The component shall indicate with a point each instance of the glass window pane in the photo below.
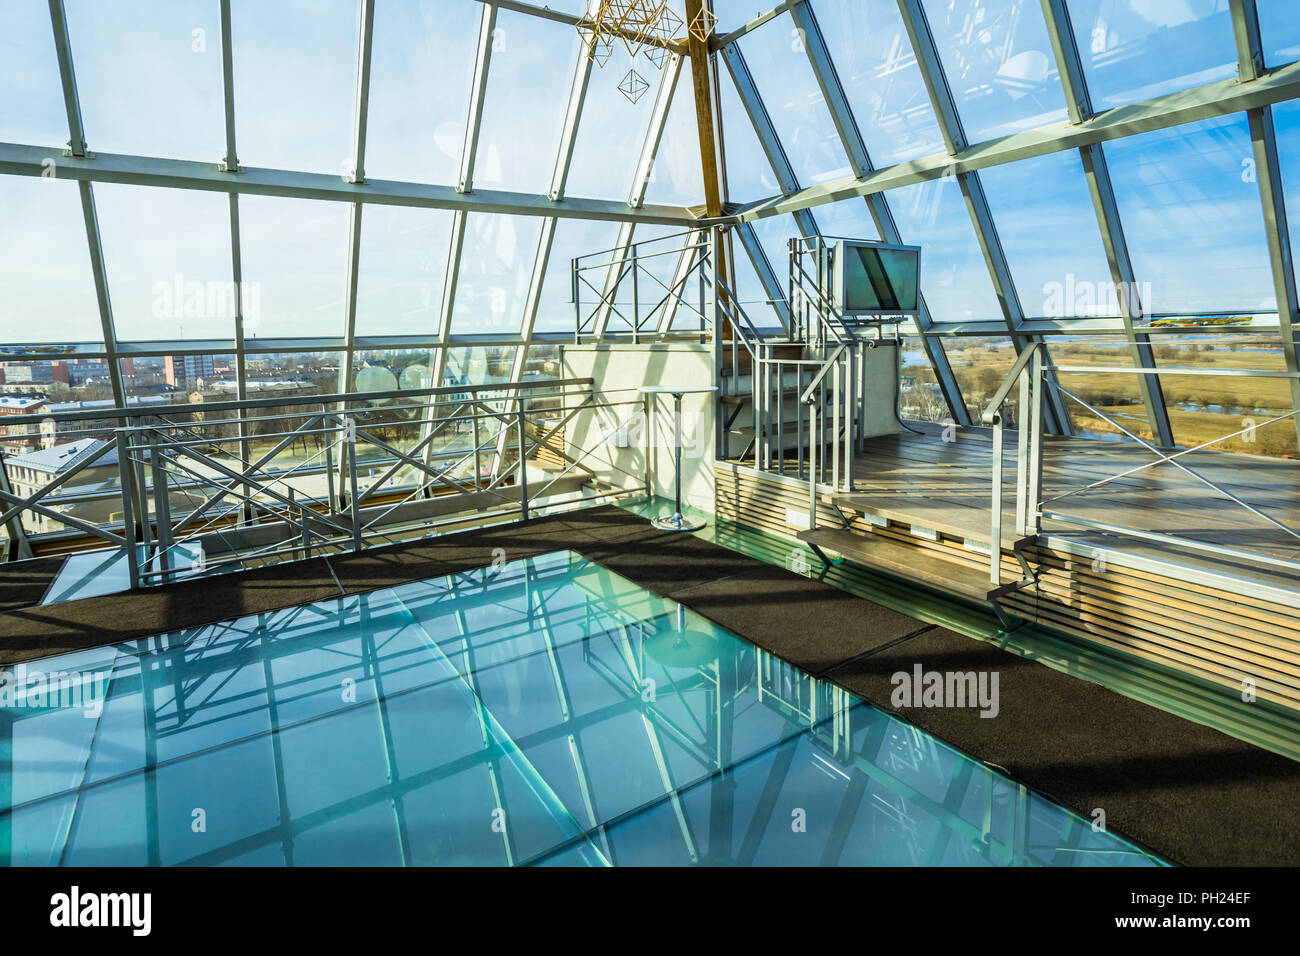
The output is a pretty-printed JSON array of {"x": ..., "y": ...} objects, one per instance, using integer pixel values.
[
  {"x": 979, "y": 365},
  {"x": 31, "y": 96},
  {"x": 478, "y": 365},
  {"x": 847, "y": 219},
  {"x": 48, "y": 288},
  {"x": 785, "y": 81},
  {"x": 676, "y": 179},
  {"x": 296, "y": 373},
  {"x": 877, "y": 68},
  {"x": 573, "y": 237},
  {"x": 382, "y": 370},
  {"x": 1192, "y": 217},
  {"x": 173, "y": 379},
  {"x": 523, "y": 109},
  {"x": 295, "y": 66},
  {"x": 1118, "y": 395},
  {"x": 423, "y": 54},
  {"x": 167, "y": 258},
  {"x": 774, "y": 234},
  {"x": 749, "y": 174},
  {"x": 496, "y": 264},
  {"x": 1134, "y": 49},
  {"x": 401, "y": 268},
  {"x": 919, "y": 397},
  {"x": 149, "y": 76},
  {"x": 999, "y": 64},
  {"x": 954, "y": 277},
  {"x": 1279, "y": 29},
  {"x": 613, "y": 129},
  {"x": 295, "y": 265},
  {"x": 1205, "y": 407},
  {"x": 1050, "y": 236},
  {"x": 1286, "y": 124}
]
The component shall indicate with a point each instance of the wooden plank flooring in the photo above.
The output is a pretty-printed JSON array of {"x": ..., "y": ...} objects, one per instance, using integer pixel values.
[{"x": 955, "y": 476}]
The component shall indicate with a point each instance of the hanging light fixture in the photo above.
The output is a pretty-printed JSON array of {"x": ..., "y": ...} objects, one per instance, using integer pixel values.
[{"x": 644, "y": 27}]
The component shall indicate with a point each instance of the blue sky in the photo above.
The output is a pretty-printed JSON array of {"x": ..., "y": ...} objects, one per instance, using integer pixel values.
[{"x": 149, "y": 75}]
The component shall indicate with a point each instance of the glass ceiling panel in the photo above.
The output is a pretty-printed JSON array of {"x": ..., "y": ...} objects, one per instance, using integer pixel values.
[
  {"x": 1192, "y": 217},
  {"x": 1135, "y": 49},
  {"x": 877, "y": 68},
  {"x": 401, "y": 268},
  {"x": 523, "y": 110},
  {"x": 573, "y": 237},
  {"x": 954, "y": 277},
  {"x": 496, "y": 264},
  {"x": 295, "y": 66},
  {"x": 149, "y": 76},
  {"x": 31, "y": 96},
  {"x": 48, "y": 288},
  {"x": 749, "y": 289},
  {"x": 774, "y": 235},
  {"x": 749, "y": 174},
  {"x": 167, "y": 258},
  {"x": 999, "y": 64},
  {"x": 676, "y": 178},
  {"x": 1286, "y": 123},
  {"x": 847, "y": 219},
  {"x": 1051, "y": 237},
  {"x": 611, "y": 131},
  {"x": 295, "y": 262},
  {"x": 785, "y": 80},
  {"x": 1279, "y": 28},
  {"x": 423, "y": 53}
]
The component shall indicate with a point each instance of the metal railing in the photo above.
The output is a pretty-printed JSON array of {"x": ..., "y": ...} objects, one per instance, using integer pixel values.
[
  {"x": 1033, "y": 376},
  {"x": 194, "y": 488}
]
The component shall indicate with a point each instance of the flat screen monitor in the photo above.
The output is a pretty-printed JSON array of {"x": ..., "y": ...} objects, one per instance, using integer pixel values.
[{"x": 875, "y": 278}]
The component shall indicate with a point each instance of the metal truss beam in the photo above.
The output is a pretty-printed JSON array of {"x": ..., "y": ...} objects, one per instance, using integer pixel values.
[
  {"x": 26, "y": 160},
  {"x": 77, "y": 152},
  {"x": 765, "y": 130},
  {"x": 1162, "y": 112},
  {"x": 1268, "y": 173},
  {"x": 850, "y": 134},
  {"x": 357, "y": 174},
  {"x": 1078, "y": 103},
  {"x": 230, "y": 162},
  {"x": 972, "y": 190},
  {"x": 478, "y": 90}
]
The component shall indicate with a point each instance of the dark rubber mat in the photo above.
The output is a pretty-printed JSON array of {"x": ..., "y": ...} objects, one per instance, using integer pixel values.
[{"x": 24, "y": 583}]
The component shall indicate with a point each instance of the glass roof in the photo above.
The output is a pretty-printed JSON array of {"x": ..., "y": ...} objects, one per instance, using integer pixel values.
[{"x": 314, "y": 86}]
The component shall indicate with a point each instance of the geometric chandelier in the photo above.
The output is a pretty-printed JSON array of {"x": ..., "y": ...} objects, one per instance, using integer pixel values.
[{"x": 643, "y": 27}]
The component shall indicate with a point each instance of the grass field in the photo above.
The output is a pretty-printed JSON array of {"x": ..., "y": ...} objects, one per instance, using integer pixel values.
[{"x": 1201, "y": 408}]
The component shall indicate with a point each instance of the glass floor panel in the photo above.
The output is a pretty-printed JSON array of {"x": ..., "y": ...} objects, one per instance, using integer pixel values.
[
  {"x": 542, "y": 711},
  {"x": 93, "y": 573}
]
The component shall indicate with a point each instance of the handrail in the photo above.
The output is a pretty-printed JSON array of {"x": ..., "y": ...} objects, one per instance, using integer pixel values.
[
  {"x": 990, "y": 415},
  {"x": 153, "y": 411},
  {"x": 834, "y": 357}
]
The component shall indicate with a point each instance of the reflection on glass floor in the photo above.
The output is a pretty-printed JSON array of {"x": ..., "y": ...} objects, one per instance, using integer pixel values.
[
  {"x": 541, "y": 711},
  {"x": 92, "y": 573}
]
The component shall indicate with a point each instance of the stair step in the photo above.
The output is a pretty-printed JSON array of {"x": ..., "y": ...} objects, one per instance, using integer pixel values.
[
  {"x": 904, "y": 561},
  {"x": 928, "y": 514}
]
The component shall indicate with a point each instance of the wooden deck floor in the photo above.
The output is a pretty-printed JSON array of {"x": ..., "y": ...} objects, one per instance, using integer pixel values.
[{"x": 956, "y": 475}]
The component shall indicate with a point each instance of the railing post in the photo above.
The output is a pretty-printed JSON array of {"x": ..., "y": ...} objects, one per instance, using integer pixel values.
[
  {"x": 354, "y": 511},
  {"x": 636, "y": 302},
  {"x": 161, "y": 508},
  {"x": 127, "y": 485},
  {"x": 1022, "y": 449},
  {"x": 1033, "y": 513},
  {"x": 812, "y": 468},
  {"x": 995, "y": 511},
  {"x": 523, "y": 463}
]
